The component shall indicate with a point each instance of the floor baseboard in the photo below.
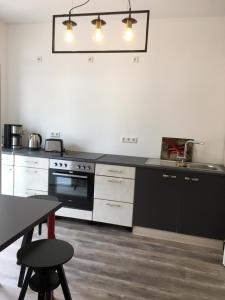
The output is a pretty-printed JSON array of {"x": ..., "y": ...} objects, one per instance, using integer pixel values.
[{"x": 177, "y": 237}]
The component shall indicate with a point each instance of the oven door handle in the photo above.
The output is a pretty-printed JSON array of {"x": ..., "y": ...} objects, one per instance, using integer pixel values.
[{"x": 69, "y": 175}]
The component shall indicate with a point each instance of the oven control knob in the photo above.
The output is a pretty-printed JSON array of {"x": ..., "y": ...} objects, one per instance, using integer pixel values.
[
  {"x": 56, "y": 164},
  {"x": 88, "y": 168},
  {"x": 60, "y": 164},
  {"x": 82, "y": 167},
  {"x": 78, "y": 167},
  {"x": 65, "y": 165}
]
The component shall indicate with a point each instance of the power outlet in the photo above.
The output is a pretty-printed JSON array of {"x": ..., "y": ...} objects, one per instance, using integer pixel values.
[
  {"x": 129, "y": 140},
  {"x": 136, "y": 59},
  {"x": 55, "y": 134},
  {"x": 91, "y": 59},
  {"x": 39, "y": 59}
]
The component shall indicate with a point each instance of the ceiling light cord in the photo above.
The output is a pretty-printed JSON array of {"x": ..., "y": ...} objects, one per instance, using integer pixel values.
[
  {"x": 86, "y": 2},
  {"x": 129, "y": 7},
  {"x": 129, "y": 4}
]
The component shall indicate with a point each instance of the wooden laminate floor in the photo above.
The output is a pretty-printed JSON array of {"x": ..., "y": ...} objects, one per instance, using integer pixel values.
[{"x": 112, "y": 263}]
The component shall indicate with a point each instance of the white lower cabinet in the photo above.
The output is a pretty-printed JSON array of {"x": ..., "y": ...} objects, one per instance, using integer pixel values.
[
  {"x": 117, "y": 213},
  {"x": 29, "y": 193},
  {"x": 114, "y": 188},
  {"x": 7, "y": 177},
  {"x": 114, "y": 194},
  {"x": 30, "y": 181}
]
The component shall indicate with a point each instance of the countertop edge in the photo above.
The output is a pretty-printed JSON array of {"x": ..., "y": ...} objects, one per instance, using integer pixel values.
[{"x": 111, "y": 159}]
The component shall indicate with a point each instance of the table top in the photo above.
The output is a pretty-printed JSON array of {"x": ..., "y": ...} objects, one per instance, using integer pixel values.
[{"x": 18, "y": 215}]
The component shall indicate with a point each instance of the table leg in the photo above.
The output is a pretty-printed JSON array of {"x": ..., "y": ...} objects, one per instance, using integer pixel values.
[
  {"x": 51, "y": 234},
  {"x": 51, "y": 226}
]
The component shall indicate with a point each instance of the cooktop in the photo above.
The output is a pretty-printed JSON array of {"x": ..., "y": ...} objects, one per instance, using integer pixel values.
[{"x": 81, "y": 155}]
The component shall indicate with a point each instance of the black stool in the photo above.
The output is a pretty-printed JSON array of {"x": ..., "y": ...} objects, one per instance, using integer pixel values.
[
  {"x": 46, "y": 259},
  {"x": 28, "y": 236}
]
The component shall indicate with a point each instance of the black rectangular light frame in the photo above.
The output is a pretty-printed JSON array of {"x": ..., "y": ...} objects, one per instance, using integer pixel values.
[{"x": 147, "y": 12}]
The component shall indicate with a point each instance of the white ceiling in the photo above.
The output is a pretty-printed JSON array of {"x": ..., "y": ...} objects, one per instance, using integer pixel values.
[{"x": 33, "y": 11}]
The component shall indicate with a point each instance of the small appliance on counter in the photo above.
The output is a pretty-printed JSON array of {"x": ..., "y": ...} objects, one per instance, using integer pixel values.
[
  {"x": 54, "y": 145},
  {"x": 13, "y": 136},
  {"x": 34, "y": 141}
]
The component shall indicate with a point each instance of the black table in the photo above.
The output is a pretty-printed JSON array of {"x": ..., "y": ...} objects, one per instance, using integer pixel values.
[{"x": 19, "y": 215}]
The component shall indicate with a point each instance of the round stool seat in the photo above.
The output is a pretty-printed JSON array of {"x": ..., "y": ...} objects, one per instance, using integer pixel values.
[
  {"x": 45, "y": 254},
  {"x": 45, "y": 197}
]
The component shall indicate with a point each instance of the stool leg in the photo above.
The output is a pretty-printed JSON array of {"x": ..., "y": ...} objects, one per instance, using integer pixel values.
[
  {"x": 39, "y": 229},
  {"x": 21, "y": 276},
  {"x": 25, "y": 284},
  {"x": 26, "y": 239},
  {"x": 48, "y": 296},
  {"x": 64, "y": 284},
  {"x": 41, "y": 296}
]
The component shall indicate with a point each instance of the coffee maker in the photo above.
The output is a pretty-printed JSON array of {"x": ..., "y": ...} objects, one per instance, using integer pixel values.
[{"x": 13, "y": 136}]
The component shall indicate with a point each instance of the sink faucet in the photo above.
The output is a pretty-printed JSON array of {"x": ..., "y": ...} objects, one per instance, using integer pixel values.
[{"x": 184, "y": 157}]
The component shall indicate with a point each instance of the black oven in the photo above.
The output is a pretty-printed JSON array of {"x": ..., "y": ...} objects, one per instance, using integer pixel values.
[{"x": 72, "y": 183}]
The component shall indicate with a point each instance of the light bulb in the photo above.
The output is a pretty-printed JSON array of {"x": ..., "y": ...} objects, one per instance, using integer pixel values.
[
  {"x": 128, "y": 35},
  {"x": 69, "y": 35},
  {"x": 98, "y": 35}
]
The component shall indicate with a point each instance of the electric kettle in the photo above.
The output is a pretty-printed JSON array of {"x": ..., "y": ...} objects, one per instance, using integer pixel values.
[{"x": 34, "y": 141}]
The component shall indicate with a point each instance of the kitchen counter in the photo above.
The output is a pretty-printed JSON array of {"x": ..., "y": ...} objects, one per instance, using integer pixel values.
[
  {"x": 122, "y": 160},
  {"x": 67, "y": 155},
  {"x": 169, "y": 165}
]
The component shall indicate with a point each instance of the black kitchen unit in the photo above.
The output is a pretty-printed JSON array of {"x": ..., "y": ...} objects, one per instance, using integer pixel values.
[{"x": 180, "y": 201}]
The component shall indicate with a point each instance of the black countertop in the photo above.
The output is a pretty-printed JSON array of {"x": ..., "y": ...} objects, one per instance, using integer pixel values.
[
  {"x": 67, "y": 155},
  {"x": 18, "y": 215},
  {"x": 122, "y": 160}
]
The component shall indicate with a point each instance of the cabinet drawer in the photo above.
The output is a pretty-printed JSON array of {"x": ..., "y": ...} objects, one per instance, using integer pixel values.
[
  {"x": 8, "y": 159},
  {"x": 117, "y": 213},
  {"x": 7, "y": 180},
  {"x": 115, "y": 171},
  {"x": 30, "y": 179},
  {"x": 29, "y": 193},
  {"x": 32, "y": 162},
  {"x": 116, "y": 189}
]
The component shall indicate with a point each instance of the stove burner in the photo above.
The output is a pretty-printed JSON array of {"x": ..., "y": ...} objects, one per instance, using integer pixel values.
[{"x": 79, "y": 166}]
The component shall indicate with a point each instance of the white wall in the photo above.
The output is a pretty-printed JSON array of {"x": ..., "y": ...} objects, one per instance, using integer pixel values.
[
  {"x": 3, "y": 70},
  {"x": 176, "y": 90}
]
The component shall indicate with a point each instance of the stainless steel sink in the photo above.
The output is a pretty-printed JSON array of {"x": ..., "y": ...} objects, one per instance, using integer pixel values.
[
  {"x": 206, "y": 167},
  {"x": 191, "y": 166}
]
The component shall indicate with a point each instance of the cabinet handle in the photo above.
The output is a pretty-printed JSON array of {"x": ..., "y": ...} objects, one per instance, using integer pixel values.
[
  {"x": 114, "y": 181},
  {"x": 31, "y": 162},
  {"x": 195, "y": 179},
  {"x": 113, "y": 205},
  {"x": 31, "y": 171},
  {"x": 169, "y": 176},
  {"x": 115, "y": 171},
  {"x": 165, "y": 176},
  {"x": 187, "y": 178}
]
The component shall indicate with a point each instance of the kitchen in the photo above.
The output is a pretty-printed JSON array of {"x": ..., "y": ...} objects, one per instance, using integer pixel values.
[{"x": 175, "y": 89}]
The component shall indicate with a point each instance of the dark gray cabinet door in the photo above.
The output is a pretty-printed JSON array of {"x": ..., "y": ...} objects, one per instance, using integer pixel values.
[
  {"x": 202, "y": 205},
  {"x": 156, "y": 199}
]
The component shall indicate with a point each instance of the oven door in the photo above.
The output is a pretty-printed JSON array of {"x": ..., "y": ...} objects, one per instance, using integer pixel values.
[{"x": 74, "y": 189}]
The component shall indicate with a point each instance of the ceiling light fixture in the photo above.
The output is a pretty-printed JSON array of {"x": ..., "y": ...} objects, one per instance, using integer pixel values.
[
  {"x": 129, "y": 21},
  {"x": 98, "y": 37},
  {"x": 69, "y": 35},
  {"x": 86, "y": 46}
]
